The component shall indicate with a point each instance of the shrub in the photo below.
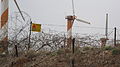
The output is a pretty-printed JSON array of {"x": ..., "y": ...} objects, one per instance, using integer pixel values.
[
  {"x": 86, "y": 48},
  {"x": 108, "y": 48},
  {"x": 115, "y": 51},
  {"x": 30, "y": 54},
  {"x": 60, "y": 51}
]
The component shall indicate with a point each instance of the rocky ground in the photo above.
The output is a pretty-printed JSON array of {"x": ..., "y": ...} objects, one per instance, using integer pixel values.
[{"x": 83, "y": 57}]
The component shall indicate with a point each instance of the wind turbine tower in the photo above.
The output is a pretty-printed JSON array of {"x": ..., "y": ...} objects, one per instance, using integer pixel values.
[
  {"x": 4, "y": 24},
  {"x": 70, "y": 21}
]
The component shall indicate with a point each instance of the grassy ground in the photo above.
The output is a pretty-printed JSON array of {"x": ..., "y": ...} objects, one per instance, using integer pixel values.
[{"x": 83, "y": 57}]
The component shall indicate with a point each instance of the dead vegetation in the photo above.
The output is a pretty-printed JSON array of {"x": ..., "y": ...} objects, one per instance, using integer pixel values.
[
  {"x": 48, "y": 50},
  {"x": 83, "y": 57}
]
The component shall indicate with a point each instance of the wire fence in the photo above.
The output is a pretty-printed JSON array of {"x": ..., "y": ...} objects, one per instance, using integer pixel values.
[{"x": 53, "y": 36}]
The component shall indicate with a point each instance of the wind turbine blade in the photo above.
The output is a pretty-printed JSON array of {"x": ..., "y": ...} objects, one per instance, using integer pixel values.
[
  {"x": 19, "y": 10},
  {"x": 83, "y": 21},
  {"x": 73, "y": 7}
]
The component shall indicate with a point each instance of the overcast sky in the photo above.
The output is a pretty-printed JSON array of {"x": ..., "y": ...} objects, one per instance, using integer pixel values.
[{"x": 54, "y": 12}]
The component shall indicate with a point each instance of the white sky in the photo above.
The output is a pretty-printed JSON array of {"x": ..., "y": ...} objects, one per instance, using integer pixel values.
[{"x": 54, "y": 12}]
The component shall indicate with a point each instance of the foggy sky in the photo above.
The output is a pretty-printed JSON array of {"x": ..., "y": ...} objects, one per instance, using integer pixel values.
[{"x": 54, "y": 12}]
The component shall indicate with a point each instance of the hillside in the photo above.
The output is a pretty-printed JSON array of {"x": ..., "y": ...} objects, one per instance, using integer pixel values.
[{"x": 83, "y": 57}]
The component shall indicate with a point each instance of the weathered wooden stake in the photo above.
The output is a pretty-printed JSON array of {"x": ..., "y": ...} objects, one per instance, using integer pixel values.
[
  {"x": 16, "y": 51},
  {"x": 73, "y": 46},
  {"x": 115, "y": 37}
]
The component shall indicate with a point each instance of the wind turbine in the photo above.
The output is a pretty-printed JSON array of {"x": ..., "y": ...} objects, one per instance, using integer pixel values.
[
  {"x": 70, "y": 21},
  {"x": 4, "y": 23}
]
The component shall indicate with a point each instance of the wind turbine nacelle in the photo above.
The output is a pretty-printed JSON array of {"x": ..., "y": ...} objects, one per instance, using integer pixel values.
[{"x": 70, "y": 17}]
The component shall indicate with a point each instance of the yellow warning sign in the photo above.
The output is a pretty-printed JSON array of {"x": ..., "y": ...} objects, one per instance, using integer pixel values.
[{"x": 36, "y": 27}]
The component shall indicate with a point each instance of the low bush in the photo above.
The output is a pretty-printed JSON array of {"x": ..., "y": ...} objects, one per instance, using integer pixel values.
[
  {"x": 116, "y": 51},
  {"x": 108, "y": 48},
  {"x": 86, "y": 48}
]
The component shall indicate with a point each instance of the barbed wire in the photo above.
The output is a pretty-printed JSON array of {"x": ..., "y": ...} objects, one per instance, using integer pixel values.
[{"x": 74, "y": 26}]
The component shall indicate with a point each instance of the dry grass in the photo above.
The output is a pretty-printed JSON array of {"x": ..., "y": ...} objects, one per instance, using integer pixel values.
[{"x": 83, "y": 57}]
